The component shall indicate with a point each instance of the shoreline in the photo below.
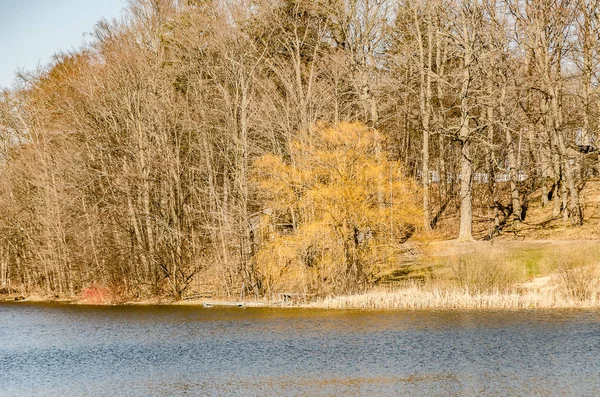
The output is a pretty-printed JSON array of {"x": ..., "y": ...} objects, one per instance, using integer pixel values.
[
  {"x": 369, "y": 301},
  {"x": 535, "y": 274}
]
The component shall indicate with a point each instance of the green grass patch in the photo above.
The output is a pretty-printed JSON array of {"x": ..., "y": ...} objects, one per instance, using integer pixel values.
[{"x": 532, "y": 258}]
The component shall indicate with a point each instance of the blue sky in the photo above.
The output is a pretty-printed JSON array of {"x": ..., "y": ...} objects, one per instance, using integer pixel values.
[{"x": 31, "y": 31}]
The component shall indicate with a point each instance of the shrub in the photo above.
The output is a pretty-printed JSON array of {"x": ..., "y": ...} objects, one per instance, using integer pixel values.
[
  {"x": 487, "y": 271},
  {"x": 577, "y": 273},
  {"x": 95, "y": 295}
]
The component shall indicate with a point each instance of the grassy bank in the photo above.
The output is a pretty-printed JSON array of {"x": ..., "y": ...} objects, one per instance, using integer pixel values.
[
  {"x": 418, "y": 297},
  {"x": 408, "y": 298},
  {"x": 446, "y": 275},
  {"x": 506, "y": 275}
]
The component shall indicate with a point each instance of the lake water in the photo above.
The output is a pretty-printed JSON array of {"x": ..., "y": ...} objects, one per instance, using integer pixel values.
[{"x": 54, "y": 350}]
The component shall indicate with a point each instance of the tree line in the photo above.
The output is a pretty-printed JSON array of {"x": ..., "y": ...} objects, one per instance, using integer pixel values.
[{"x": 135, "y": 162}]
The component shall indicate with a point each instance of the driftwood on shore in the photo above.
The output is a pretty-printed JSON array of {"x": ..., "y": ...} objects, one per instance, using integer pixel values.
[{"x": 223, "y": 303}]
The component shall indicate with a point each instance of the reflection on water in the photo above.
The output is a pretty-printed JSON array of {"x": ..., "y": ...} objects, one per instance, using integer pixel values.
[{"x": 53, "y": 350}]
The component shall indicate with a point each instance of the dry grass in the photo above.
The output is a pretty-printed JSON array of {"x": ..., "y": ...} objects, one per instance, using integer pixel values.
[
  {"x": 419, "y": 297},
  {"x": 576, "y": 272},
  {"x": 482, "y": 271},
  {"x": 492, "y": 279}
]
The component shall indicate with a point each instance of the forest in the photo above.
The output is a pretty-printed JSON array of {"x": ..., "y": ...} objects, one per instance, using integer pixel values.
[{"x": 259, "y": 146}]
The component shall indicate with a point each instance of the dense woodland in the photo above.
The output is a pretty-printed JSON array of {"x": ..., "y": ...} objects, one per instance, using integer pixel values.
[{"x": 259, "y": 146}]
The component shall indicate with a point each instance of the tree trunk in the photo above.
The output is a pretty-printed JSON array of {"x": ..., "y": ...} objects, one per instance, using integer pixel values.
[
  {"x": 512, "y": 164},
  {"x": 425, "y": 64},
  {"x": 464, "y": 134}
]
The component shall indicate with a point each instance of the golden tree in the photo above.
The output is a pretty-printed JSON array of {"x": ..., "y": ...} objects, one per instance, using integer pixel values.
[{"x": 338, "y": 211}]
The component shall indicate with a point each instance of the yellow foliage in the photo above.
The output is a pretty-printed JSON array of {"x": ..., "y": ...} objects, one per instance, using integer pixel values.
[{"x": 346, "y": 206}]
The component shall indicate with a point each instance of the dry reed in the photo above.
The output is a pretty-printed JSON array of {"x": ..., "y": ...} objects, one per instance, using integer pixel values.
[
  {"x": 419, "y": 297},
  {"x": 490, "y": 280},
  {"x": 577, "y": 272}
]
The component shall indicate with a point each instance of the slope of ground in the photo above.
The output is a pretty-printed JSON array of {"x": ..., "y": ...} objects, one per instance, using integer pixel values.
[
  {"x": 539, "y": 224},
  {"x": 539, "y": 240}
]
